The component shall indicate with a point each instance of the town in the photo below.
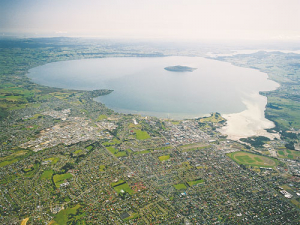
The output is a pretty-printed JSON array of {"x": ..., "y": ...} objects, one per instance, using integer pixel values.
[{"x": 67, "y": 159}]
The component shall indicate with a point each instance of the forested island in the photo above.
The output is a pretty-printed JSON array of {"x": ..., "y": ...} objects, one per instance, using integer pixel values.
[{"x": 180, "y": 69}]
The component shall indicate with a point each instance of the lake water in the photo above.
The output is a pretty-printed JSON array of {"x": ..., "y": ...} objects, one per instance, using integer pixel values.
[{"x": 141, "y": 85}]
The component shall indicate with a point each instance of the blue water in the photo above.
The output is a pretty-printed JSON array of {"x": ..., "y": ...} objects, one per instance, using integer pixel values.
[{"x": 143, "y": 86}]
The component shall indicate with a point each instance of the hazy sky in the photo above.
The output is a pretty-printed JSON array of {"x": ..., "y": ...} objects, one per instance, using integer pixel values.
[{"x": 177, "y": 19}]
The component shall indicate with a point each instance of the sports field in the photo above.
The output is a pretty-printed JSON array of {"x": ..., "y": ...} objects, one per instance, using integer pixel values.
[{"x": 246, "y": 158}]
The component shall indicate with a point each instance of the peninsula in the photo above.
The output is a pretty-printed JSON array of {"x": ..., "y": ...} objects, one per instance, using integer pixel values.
[{"x": 180, "y": 69}]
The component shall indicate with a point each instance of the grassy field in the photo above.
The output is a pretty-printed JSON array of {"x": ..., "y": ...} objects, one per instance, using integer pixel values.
[
  {"x": 117, "y": 183},
  {"x": 47, "y": 174},
  {"x": 142, "y": 152},
  {"x": 164, "y": 157},
  {"x": 285, "y": 108},
  {"x": 194, "y": 182},
  {"x": 61, "y": 218},
  {"x": 116, "y": 152},
  {"x": 110, "y": 143},
  {"x": 141, "y": 135},
  {"x": 133, "y": 216},
  {"x": 288, "y": 154},
  {"x": 14, "y": 157},
  {"x": 102, "y": 168},
  {"x": 102, "y": 117},
  {"x": 77, "y": 152},
  {"x": 90, "y": 147},
  {"x": 8, "y": 162},
  {"x": 120, "y": 186},
  {"x": 246, "y": 158},
  {"x": 179, "y": 186},
  {"x": 53, "y": 160},
  {"x": 125, "y": 187},
  {"x": 60, "y": 178}
]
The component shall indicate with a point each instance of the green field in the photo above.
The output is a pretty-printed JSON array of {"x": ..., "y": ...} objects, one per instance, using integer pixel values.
[
  {"x": 121, "y": 154},
  {"x": 116, "y": 152},
  {"x": 246, "y": 158},
  {"x": 194, "y": 182},
  {"x": 121, "y": 186},
  {"x": 141, "y": 135},
  {"x": 164, "y": 157},
  {"x": 47, "y": 174},
  {"x": 179, "y": 186},
  {"x": 280, "y": 152},
  {"x": 8, "y": 162},
  {"x": 288, "y": 154},
  {"x": 102, "y": 117},
  {"x": 53, "y": 160},
  {"x": 90, "y": 147},
  {"x": 14, "y": 157},
  {"x": 110, "y": 143},
  {"x": 77, "y": 152},
  {"x": 133, "y": 216},
  {"x": 61, "y": 218},
  {"x": 142, "y": 152},
  {"x": 117, "y": 183},
  {"x": 60, "y": 178},
  {"x": 102, "y": 167}
]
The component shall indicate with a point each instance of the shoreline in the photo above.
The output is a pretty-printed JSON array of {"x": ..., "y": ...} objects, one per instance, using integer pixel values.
[{"x": 250, "y": 122}]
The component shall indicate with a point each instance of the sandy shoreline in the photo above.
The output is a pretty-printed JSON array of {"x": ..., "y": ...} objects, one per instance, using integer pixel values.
[{"x": 249, "y": 122}]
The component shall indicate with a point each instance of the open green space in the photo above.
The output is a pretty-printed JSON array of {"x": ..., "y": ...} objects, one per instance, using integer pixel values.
[
  {"x": 288, "y": 154},
  {"x": 247, "y": 158},
  {"x": 141, "y": 135},
  {"x": 133, "y": 216},
  {"x": 280, "y": 152},
  {"x": 53, "y": 160},
  {"x": 12, "y": 158},
  {"x": 8, "y": 162},
  {"x": 213, "y": 118},
  {"x": 115, "y": 141},
  {"x": 180, "y": 186},
  {"x": 102, "y": 168},
  {"x": 285, "y": 114},
  {"x": 116, "y": 152},
  {"x": 90, "y": 147},
  {"x": 77, "y": 152},
  {"x": 121, "y": 186},
  {"x": 164, "y": 157},
  {"x": 194, "y": 182},
  {"x": 47, "y": 174},
  {"x": 142, "y": 152},
  {"x": 102, "y": 117},
  {"x": 62, "y": 217},
  {"x": 60, "y": 178},
  {"x": 117, "y": 183}
]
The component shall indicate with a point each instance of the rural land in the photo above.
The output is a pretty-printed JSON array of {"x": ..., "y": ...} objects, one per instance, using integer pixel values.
[{"x": 67, "y": 159}]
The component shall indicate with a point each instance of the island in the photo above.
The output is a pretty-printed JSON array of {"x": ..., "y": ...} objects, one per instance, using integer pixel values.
[{"x": 180, "y": 69}]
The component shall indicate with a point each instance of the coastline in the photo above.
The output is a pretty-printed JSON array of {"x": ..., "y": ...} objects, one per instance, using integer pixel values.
[{"x": 250, "y": 122}]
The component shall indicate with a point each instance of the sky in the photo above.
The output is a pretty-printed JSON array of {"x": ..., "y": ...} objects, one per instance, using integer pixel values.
[{"x": 154, "y": 19}]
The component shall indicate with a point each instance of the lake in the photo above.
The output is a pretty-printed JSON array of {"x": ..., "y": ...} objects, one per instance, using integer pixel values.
[{"x": 142, "y": 86}]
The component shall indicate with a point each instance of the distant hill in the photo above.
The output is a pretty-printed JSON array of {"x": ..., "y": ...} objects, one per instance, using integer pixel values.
[{"x": 180, "y": 69}]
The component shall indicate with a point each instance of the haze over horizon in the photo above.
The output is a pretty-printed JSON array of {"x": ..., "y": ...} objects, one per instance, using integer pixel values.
[{"x": 167, "y": 19}]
